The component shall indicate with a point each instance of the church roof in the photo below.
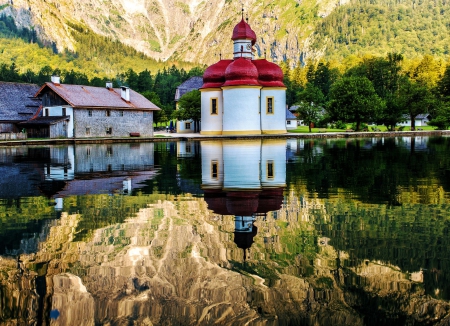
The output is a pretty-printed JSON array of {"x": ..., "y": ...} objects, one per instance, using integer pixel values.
[
  {"x": 214, "y": 75},
  {"x": 241, "y": 72},
  {"x": 243, "y": 31},
  {"x": 269, "y": 73},
  {"x": 191, "y": 84},
  {"x": 80, "y": 96}
]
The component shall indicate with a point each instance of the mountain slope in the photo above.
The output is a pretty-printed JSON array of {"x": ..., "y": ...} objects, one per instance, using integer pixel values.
[{"x": 200, "y": 31}]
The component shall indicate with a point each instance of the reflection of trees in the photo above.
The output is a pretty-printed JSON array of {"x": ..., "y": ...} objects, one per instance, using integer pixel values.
[
  {"x": 370, "y": 171},
  {"x": 412, "y": 237}
]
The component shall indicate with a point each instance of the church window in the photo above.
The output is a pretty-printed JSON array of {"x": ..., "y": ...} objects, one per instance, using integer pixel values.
[
  {"x": 269, "y": 105},
  {"x": 214, "y": 170},
  {"x": 214, "y": 106},
  {"x": 270, "y": 170},
  {"x": 187, "y": 125}
]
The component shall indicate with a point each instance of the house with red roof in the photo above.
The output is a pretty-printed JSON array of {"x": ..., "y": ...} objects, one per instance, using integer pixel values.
[
  {"x": 77, "y": 111},
  {"x": 243, "y": 96}
]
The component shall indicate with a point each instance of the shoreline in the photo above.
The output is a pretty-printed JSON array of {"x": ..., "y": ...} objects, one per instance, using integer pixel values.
[{"x": 165, "y": 137}]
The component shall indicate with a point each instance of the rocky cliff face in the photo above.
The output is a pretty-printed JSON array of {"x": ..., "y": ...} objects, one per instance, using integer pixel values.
[{"x": 190, "y": 30}]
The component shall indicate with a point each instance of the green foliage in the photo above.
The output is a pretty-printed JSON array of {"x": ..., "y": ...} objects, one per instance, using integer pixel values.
[
  {"x": 354, "y": 99},
  {"x": 189, "y": 107},
  {"x": 310, "y": 108},
  {"x": 380, "y": 26}
]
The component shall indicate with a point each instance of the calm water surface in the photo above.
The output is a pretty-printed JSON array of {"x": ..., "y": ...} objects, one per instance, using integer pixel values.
[{"x": 257, "y": 232}]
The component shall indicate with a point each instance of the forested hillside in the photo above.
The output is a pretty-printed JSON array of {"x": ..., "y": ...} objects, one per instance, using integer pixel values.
[{"x": 413, "y": 28}]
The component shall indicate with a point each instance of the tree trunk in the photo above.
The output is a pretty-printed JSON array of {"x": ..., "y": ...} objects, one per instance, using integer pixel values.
[{"x": 413, "y": 123}]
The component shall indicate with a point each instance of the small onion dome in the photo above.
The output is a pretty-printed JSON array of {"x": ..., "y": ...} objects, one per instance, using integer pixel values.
[
  {"x": 216, "y": 201},
  {"x": 270, "y": 74},
  {"x": 214, "y": 75},
  {"x": 242, "y": 203},
  {"x": 270, "y": 200},
  {"x": 243, "y": 31},
  {"x": 241, "y": 72}
]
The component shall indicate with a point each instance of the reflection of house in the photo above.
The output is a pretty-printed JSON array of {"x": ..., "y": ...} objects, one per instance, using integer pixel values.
[
  {"x": 86, "y": 111},
  {"x": 243, "y": 96},
  {"x": 17, "y": 104},
  {"x": 420, "y": 120},
  {"x": 191, "y": 84},
  {"x": 244, "y": 179}
]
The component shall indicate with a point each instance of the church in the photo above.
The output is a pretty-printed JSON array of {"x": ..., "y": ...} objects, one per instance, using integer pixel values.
[{"x": 243, "y": 96}]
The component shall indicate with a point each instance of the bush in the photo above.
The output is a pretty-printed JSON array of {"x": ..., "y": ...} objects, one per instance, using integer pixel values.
[{"x": 339, "y": 125}]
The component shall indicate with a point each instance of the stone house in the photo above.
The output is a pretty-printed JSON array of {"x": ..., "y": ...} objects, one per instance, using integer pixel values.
[
  {"x": 17, "y": 104},
  {"x": 77, "y": 111}
]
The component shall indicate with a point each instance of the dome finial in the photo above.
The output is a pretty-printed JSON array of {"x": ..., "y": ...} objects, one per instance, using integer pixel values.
[{"x": 242, "y": 11}]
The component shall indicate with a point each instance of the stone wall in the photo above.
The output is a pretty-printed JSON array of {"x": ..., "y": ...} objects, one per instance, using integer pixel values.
[{"x": 120, "y": 122}]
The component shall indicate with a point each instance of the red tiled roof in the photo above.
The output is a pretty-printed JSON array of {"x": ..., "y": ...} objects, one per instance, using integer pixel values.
[{"x": 90, "y": 96}]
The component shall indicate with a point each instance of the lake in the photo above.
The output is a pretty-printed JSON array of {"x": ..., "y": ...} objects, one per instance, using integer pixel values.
[{"x": 255, "y": 232}]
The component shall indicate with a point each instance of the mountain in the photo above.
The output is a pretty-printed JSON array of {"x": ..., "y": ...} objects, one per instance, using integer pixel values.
[{"x": 199, "y": 31}]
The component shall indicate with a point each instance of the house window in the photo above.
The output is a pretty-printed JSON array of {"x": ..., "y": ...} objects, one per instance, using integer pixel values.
[
  {"x": 108, "y": 113},
  {"x": 270, "y": 170},
  {"x": 109, "y": 131},
  {"x": 88, "y": 151},
  {"x": 46, "y": 113},
  {"x": 109, "y": 151},
  {"x": 121, "y": 113},
  {"x": 214, "y": 169},
  {"x": 64, "y": 111},
  {"x": 269, "y": 105},
  {"x": 214, "y": 106},
  {"x": 187, "y": 125},
  {"x": 188, "y": 148},
  {"x": 146, "y": 114},
  {"x": 88, "y": 131},
  {"x": 90, "y": 113},
  {"x": 288, "y": 122}
]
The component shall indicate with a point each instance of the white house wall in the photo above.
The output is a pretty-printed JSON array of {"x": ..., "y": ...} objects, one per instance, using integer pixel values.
[{"x": 57, "y": 111}]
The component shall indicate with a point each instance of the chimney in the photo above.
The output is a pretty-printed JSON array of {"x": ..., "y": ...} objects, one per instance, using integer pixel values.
[
  {"x": 109, "y": 85},
  {"x": 125, "y": 93},
  {"x": 56, "y": 80}
]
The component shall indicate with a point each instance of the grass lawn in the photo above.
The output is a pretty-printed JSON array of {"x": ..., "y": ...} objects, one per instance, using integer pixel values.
[{"x": 305, "y": 129}]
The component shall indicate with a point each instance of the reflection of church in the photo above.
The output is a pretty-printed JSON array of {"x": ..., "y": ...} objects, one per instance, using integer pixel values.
[{"x": 245, "y": 179}]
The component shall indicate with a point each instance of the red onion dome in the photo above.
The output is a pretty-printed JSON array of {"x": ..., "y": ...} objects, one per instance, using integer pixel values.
[
  {"x": 217, "y": 201},
  {"x": 242, "y": 203},
  {"x": 214, "y": 75},
  {"x": 270, "y": 200},
  {"x": 241, "y": 72},
  {"x": 270, "y": 74},
  {"x": 243, "y": 31}
]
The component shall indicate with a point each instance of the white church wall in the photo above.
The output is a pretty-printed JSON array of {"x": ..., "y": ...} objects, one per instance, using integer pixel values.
[
  {"x": 211, "y": 123},
  {"x": 276, "y": 122},
  {"x": 242, "y": 164},
  {"x": 241, "y": 110},
  {"x": 212, "y": 164}
]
